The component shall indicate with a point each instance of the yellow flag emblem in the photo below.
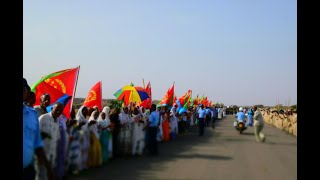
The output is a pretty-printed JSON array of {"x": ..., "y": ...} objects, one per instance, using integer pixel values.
[
  {"x": 57, "y": 83},
  {"x": 91, "y": 96}
]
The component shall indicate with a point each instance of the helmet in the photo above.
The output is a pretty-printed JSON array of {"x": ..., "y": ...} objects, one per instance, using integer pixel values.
[{"x": 240, "y": 109}]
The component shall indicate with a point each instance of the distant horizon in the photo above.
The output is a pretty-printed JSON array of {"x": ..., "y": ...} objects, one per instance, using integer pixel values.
[{"x": 221, "y": 102}]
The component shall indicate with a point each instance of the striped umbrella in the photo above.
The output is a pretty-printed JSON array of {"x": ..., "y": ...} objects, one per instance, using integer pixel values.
[{"x": 130, "y": 94}]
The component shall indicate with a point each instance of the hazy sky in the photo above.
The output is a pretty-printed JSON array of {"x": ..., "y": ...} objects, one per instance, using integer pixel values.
[{"x": 238, "y": 52}]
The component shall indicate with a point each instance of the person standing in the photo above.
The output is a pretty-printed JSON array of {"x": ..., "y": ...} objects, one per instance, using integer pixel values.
[
  {"x": 138, "y": 133},
  {"x": 95, "y": 153},
  {"x": 73, "y": 152},
  {"x": 62, "y": 147},
  {"x": 116, "y": 126},
  {"x": 31, "y": 99},
  {"x": 50, "y": 132},
  {"x": 84, "y": 139},
  {"x": 32, "y": 142},
  {"x": 258, "y": 125},
  {"x": 152, "y": 131},
  {"x": 45, "y": 100},
  {"x": 173, "y": 122},
  {"x": 201, "y": 118},
  {"x": 166, "y": 126},
  {"x": 208, "y": 116},
  {"x": 105, "y": 134},
  {"x": 250, "y": 117},
  {"x": 125, "y": 140},
  {"x": 214, "y": 115}
]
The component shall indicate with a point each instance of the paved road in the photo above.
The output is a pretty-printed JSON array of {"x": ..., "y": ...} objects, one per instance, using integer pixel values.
[{"x": 222, "y": 154}]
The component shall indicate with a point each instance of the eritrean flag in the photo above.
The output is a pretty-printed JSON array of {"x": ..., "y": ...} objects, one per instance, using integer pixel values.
[
  {"x": 168, "y": 99},
  {"x": 204, "y": 101},
  {"x": 184, "y": 101},
  {"x": 196, "y": 101},
  {"x": 94, "y": 97},
  {"x": 60, "y": 85},
  {"x": 185, "y": 98}
]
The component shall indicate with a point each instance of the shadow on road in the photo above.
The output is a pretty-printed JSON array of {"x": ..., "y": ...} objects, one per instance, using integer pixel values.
[
  {"x": 144, "y": 167},
  {"x": 236, "y": 140},
  {"x": 248, "y": 133},
  {"x": 281, "y": 143},
  {"x": 203, "y": 156}
]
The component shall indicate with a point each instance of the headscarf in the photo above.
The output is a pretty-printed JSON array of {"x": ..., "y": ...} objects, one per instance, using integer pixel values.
[
  {"x": 91, "y": 118},
  {"x": 106, "y": 110},
  {"x": 79, "y": 116},
  {"x": 124, "y": 117},
  {"x": 102, "y": 122},
  {"x": 100, "y": 117},
  {"x": 94, "y": 128}
]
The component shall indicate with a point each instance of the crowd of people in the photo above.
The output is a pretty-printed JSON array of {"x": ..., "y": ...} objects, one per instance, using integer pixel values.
[{"x": 55, "y": 146}]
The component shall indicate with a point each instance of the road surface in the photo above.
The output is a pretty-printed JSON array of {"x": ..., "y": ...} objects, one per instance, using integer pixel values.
[{"x": 222, "y": 154}]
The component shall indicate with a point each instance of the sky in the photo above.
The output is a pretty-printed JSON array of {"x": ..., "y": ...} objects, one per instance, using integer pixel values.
[{"x": 234, "y": 52}]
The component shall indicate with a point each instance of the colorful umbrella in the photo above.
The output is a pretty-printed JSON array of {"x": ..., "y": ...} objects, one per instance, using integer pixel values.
[{"x": 131, "y": 94}]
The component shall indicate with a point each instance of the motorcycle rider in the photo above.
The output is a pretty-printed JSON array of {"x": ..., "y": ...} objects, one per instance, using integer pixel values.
[{"x": 240, "y": 117}]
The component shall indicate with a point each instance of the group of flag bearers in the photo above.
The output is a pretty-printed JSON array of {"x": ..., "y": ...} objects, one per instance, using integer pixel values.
[{"x": 92, "y": 135}]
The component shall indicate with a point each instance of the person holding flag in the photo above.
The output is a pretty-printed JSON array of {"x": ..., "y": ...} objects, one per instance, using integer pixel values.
[
  {"x": 32, "y": 142},
  {"x": 60, "y": 85}
]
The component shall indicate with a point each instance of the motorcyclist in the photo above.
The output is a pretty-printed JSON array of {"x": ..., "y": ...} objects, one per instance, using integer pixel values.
[{"x": 240, "y": 117}]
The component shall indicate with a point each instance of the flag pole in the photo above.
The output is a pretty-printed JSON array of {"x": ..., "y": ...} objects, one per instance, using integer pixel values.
[
  {"x": 75, "y": 88},
  {"x": 144, "y": 86}
]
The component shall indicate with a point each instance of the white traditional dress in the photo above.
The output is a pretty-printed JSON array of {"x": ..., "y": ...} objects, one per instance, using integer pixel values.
[
  {"x": 50, "y": 126},
  {"x": 125, "y": 142},
  {"x": 105, "y": 135},
  {"x": 95, "y": 153},
  {"x": 84, "y": 138}
]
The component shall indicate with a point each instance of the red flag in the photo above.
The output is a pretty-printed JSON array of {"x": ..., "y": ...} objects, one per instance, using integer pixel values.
[
  {"x": 185, "y": 98},
  {"x": 148, "y": 102},
  {"x": 204, "y": 101},
  {"x": 174, "y": 100},
  {"x": 196, "y": 101},
  {"x": 94, "y": 97},
  {"x": 54, "y": 93},
  {"x": 168, "y": 99},
  {"x": 63, "y": 81}
]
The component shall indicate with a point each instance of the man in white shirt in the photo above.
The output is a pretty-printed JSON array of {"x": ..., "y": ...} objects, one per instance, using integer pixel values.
[{"x": 49, "y": 127}]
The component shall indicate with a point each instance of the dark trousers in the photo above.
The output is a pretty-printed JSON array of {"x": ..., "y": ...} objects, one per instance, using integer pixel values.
[
  {"x": 201, "y": 126},
  {"x": 213, "y": 121},
  {"x": 29, "y": 173},
  {"x": 183, "y": 126},
  {"x": 115, "y": 148},
  {"x": 180, "y": 128},
  {"x": 208, "y": 118},
  {"x": 188, "y": 125},
  {"x": 152, "y": 141}
]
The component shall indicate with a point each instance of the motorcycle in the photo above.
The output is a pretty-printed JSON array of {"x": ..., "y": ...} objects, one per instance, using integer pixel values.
[{"x": 240, "y": 126}]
